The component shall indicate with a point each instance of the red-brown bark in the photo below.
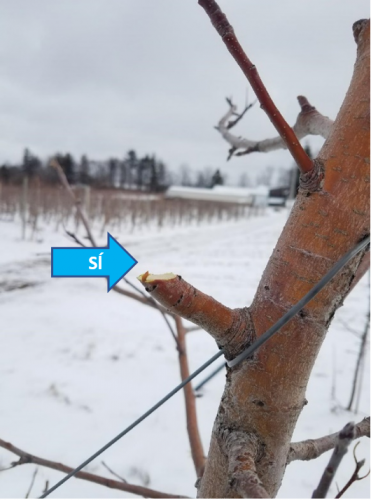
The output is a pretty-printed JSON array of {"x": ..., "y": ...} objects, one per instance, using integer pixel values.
[
  {"x": 263, "y": 397},
  {"x": 197, "y": 451},
  {"x": 225, "y": 30}
]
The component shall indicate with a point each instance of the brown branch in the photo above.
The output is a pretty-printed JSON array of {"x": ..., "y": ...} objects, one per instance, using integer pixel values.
[
  {"x": 242, "y": 450},
  {"x": 225, "y": 30},
  {"x": 181, "y": 298},
  {"x": 32, "y": 482},
  {"x": 114, "y": 473},
  {"x": 361, "y": 354},
  {"x": 62, "y": 176},
  {"x": 314, "y": 448},
  {"x": 239, "y": 117},
  {"x": 354, "y": 477},
  {"x": 345, "y": 437},
  {"x": 27, "y": 458},
  {"x": 197, "y": 451}
]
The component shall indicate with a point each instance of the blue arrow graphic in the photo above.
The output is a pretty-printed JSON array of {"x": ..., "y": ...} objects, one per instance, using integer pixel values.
[{"x": 111, "y": 262}]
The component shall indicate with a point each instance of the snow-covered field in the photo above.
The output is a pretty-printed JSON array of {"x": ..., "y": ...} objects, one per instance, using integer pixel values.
[{"x": 77, "y": 365}]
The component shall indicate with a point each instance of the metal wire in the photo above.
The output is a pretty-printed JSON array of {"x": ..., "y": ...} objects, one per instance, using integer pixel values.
[
  {"x": 209, "y": 377},
  {"x": 245, "y": 354},
  {"x": 134, "y": 424},
  {"x": 299, "y": 305}
]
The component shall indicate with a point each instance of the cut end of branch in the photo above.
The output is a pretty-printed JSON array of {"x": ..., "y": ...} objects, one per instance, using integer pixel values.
[
  {"x": 151, "y": 278},
  {"x": 358, "y": 27}
]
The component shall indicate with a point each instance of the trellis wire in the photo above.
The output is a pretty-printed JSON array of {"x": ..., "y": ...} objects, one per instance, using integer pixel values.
[{"x": 246, "y": 353}]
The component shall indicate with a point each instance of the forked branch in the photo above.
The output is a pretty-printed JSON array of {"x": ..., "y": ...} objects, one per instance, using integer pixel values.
[
  {"x": 309, "y": 122},
  {"x": 354, "y": 477},
  {"x": 225, "y": 30}
]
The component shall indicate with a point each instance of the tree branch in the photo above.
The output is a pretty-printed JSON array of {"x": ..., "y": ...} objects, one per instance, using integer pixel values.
[
  {"x": 345, "y": 437},
  {"x": 191, "y": 416},
  {"x": 354, "y": 477},
  {"x": 243, "y": 450},
  {"x": 27, "y": 458},
  {"x": 308, "y": 122},
  {"x": 181, "y": 298},
  {"x": 314, "y": 448},
  {"x": 225, "y": 30},
  {"x": 197, "y": 451}
]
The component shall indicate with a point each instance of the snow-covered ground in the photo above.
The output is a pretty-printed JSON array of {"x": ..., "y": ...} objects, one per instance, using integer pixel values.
[{"x": 77, "y": 365}]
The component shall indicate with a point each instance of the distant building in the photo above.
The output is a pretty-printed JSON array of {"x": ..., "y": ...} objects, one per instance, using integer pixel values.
[{"x": 257, "y": 196}]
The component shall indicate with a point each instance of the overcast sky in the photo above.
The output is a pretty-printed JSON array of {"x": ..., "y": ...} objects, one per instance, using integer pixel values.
[{"x": 102, "y": 76}]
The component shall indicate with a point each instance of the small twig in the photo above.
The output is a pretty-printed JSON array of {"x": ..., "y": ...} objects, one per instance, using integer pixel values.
[
  {"x": 355, "y": 477},
  {"x": 32, "y": 482},
  {"x": 358, "y": 373},
  {"x": 74, "y": 237},
  {"x": 345, "y": 437},
  {"x": 225, "y": 30},
  {"x": 113, "y": 472},
  {"x": 12, "y": 465},
  {"x": 62, "y": 176},
  {"x": 361, "y": 355},
  {"x": 157, "y": 306},
  {"x": 27, "y": 458},
  {"x": 46, "y": 486},
  {"x": 232, "y": 123}
]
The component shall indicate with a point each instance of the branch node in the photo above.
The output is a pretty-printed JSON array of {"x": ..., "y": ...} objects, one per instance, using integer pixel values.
[{"x": 312, "y": 181}]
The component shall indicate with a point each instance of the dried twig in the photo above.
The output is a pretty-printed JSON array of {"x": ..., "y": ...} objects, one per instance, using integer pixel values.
[
  {"x": 225, "y": 30},
  {"x": 354, "y": 477},
  {"x": 62, "y": 176},
  {"x": 308, "y": 122},
  {"x": 114, "y": 473},
  {"x": 345, "y": 437},
  {"x": 314, "y": 448},
  {"x": 32, "y": 482},
  {"x": 361, "y": 354},
  {"x": 27, "y": 458},
  {"x": 239, "y": 116}
]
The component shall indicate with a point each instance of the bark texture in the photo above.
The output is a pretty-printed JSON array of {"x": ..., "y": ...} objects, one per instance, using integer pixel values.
[{"x": 263, "y": 397}]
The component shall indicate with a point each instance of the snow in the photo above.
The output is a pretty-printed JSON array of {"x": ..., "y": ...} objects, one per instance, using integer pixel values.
[{"x": 77, "y": 365}]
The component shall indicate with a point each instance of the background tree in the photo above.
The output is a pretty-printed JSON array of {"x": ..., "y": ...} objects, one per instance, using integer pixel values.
[
  {"x": 84, "y": 174},
  {"x": 217, "y": 179},
  {"x": 68, "y": 165},
  {"x": 31, "y": 164}
]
